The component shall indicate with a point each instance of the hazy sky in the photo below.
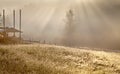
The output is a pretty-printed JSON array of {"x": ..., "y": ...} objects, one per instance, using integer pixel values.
[
  {"x": 37, "y": 14},
  {"x": 46, "y": 18}
]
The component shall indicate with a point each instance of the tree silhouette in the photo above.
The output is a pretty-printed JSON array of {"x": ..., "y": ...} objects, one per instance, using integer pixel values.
[
  {"x": 70, "y": 28},
  {"x": 70, "y": 21}
]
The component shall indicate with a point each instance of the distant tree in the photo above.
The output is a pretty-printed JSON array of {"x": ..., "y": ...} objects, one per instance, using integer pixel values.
[
  {"x": 70, "y": 28},
  {"x": 70, "y": 20}
]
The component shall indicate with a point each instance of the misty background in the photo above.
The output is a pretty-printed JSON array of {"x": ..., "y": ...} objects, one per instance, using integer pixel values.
[{"x": 96, "y": 22}]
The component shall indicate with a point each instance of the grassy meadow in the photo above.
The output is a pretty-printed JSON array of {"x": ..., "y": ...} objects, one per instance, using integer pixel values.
[{"x": 51, "y": 59}]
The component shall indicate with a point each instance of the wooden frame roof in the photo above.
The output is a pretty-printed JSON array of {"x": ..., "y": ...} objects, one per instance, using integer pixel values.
[{"x": 7, "y": 29}]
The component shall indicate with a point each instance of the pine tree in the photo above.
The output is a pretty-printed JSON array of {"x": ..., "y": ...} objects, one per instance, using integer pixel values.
[
  {"x": 70, "y": 28},
  {"x": 70, "y": 21}
]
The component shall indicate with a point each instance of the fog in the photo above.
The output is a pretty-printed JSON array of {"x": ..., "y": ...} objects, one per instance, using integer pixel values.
[{"x": 96, "y": 21}]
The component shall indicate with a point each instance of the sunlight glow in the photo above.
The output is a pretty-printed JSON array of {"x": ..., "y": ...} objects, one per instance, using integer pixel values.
[{"x": 95, "y": 20}]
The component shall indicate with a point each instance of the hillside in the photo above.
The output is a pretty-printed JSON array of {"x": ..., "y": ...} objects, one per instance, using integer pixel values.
[{"x": 51, "y": 59}]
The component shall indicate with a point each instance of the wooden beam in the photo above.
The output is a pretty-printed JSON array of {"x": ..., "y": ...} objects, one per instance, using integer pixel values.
[
  {"x": 4, "y": 19},
  {"x": 14, "y": 21},
  {"x": 20, "y": 11}
]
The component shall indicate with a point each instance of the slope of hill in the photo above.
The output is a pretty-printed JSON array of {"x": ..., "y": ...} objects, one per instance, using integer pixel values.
[{"x": 50, "y": 59}]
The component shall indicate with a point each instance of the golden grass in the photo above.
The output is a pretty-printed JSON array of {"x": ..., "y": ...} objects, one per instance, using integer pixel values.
[{"x": 50, "y": 59}]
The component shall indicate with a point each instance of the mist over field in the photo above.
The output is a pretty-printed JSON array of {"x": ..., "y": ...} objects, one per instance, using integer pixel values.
[
  {"x": 59, "y": 36},
  {"x": 96, "y": 21}
]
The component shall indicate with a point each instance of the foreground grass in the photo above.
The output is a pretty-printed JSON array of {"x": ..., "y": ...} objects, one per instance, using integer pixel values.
[{"x": 50, "y": 59}]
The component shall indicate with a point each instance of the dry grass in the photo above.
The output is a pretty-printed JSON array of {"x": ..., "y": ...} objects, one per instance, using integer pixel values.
[{"x": 50, "y": 59}]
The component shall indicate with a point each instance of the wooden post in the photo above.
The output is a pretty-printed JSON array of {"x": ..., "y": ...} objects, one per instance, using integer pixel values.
[
  {"x": 20, "y": 23},
  {"x": 4, "y": 19},
  {"x": 14, "y": 21},
  {"x": 4, "y": 23},
  {"x": 44, "y": 42}
]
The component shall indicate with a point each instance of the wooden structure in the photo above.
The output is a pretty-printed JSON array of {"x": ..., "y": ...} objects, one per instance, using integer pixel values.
[{"x": 5, "y": 31}]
